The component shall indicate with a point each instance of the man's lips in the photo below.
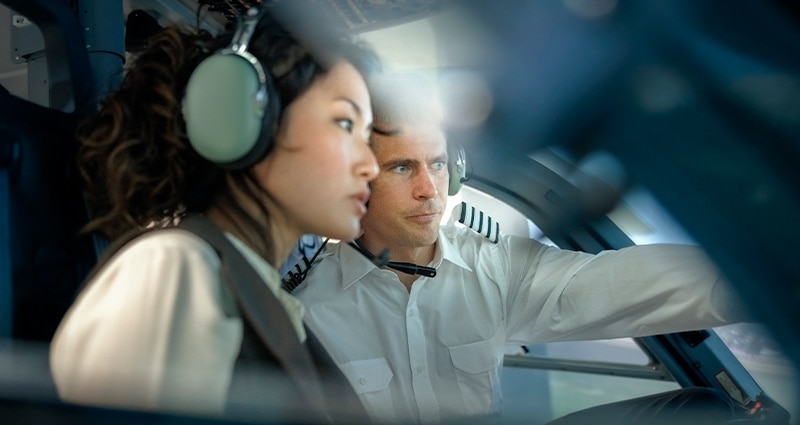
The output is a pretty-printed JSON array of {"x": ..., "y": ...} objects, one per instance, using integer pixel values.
[{"x": 424, "y": 216}]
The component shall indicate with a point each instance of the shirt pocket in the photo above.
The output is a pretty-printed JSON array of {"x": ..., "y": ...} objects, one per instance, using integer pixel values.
[
  {"x": 370, "y": 379},
  {"x": 476, "y": 367}
]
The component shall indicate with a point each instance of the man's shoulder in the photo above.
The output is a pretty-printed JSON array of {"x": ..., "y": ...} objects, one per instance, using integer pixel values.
[
  {"x": 324, "y": 275},
  {"x": 458, "y": 235},
  {"x": 469, "y": 222}
]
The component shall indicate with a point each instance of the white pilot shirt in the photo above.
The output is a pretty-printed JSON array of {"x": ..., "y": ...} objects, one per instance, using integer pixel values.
[
  {"x": 436, "y": 353},
  {"x": 151, "y": 331}
]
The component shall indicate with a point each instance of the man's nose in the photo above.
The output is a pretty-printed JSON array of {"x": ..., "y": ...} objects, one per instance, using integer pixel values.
[{"x": 425, "y": 185}]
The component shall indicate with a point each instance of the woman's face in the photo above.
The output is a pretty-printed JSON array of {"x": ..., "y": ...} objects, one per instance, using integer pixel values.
[{"x": 322, "y": 163}]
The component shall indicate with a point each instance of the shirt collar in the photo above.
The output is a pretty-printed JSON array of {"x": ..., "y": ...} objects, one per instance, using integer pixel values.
[
  {"x": 449, "y": 251},
  {"x": 354, "y": 265},
  {"x": 358, "y": 266}
]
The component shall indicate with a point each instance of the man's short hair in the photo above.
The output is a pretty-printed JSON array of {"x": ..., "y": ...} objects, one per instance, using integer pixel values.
[{"x": 403, "y": 98}]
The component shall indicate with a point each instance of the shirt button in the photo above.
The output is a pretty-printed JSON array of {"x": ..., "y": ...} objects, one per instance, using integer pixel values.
[
  {"x": 419, "y": 370},
  {"x": 410, "y": 313},
  {"x": 362, "y": 381}
]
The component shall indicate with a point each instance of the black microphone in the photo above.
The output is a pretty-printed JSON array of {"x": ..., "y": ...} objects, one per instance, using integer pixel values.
[{"x": 382, "y": 260}]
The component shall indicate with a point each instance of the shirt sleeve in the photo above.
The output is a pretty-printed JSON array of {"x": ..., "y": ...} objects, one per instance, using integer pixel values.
[
  {"x": 150, "y": 331},
  {"x": 560, "y": 295}
]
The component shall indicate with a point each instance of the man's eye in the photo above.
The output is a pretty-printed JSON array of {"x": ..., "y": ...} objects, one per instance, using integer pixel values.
[
  {"x": 345, "y": 124},
  {"x": 401, "y": 169},
  {"x": 440, "y": 165}
]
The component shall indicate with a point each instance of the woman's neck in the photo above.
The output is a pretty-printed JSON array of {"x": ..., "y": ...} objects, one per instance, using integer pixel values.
[{"x": 274, "y": 249}]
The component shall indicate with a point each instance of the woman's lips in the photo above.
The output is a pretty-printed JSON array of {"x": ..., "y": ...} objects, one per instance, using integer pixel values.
[{"x": 361, "y": 202}]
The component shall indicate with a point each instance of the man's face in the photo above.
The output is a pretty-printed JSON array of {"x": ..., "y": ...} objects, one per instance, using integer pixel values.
[{"x": 410, "y": 193}]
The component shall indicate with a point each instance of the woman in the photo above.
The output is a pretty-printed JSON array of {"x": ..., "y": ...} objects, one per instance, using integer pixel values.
[{"x": 156, "y": 327}]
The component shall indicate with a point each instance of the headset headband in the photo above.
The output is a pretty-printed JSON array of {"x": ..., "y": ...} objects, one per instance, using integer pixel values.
[
  {"x": 226, "y": 99},
  {"x": 240, "y": 43}
]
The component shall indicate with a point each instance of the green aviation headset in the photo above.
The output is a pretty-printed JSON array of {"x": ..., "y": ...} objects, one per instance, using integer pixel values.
[
  {"x": 226, "y": 99},
  {"x": 457, "y": 168}
]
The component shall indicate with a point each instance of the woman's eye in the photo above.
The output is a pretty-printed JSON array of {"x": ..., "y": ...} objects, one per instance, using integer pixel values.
[{"x": 346, "y": 124}]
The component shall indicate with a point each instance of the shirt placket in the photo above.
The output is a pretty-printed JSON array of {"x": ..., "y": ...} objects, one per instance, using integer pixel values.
[{"x": 418, "y": 359}]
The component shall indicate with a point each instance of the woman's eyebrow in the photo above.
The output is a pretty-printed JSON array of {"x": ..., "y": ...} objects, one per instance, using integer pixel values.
[
  {"x": 357, "y": 109},
  {"x": 353, "y": 104}
]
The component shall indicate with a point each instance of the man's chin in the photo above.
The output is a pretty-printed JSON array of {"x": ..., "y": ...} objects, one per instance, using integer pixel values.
[{"x": 430, "y": 237}]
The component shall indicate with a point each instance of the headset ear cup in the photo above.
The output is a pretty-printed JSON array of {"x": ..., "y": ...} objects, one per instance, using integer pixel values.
[
  {"x": 223, "y": 109},
  {"x": 457, "y": 168}
]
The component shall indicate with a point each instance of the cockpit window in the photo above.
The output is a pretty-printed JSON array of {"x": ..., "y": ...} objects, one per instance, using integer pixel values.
[{"x": 557, "y": 372}]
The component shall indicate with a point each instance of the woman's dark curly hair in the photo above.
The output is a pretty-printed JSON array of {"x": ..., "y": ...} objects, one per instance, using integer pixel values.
[{"x": 134, "y": 158}]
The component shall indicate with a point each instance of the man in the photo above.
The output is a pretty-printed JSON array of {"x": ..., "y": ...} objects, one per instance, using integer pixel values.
[{"x": 429, "y": 349}]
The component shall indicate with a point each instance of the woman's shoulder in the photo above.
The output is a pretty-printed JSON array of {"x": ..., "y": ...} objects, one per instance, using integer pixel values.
[
  {"x": 163, "y": 258},
  {"x": 174, "y": 244},
  {"x": 151, "y": 273}
]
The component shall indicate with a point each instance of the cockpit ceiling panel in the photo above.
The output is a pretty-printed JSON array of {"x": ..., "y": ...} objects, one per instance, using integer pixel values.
[{"x": 354, "y": 15}]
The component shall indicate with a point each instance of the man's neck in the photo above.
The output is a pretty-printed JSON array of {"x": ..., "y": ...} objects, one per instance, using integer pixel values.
[{"x": 420, "y": 255}]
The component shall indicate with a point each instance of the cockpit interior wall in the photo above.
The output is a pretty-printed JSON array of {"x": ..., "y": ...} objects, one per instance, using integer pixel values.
[{"x": 43, "y": 205}]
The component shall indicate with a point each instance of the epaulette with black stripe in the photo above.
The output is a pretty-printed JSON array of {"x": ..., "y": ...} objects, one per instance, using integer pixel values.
[{"x": 476, "y": 220}]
